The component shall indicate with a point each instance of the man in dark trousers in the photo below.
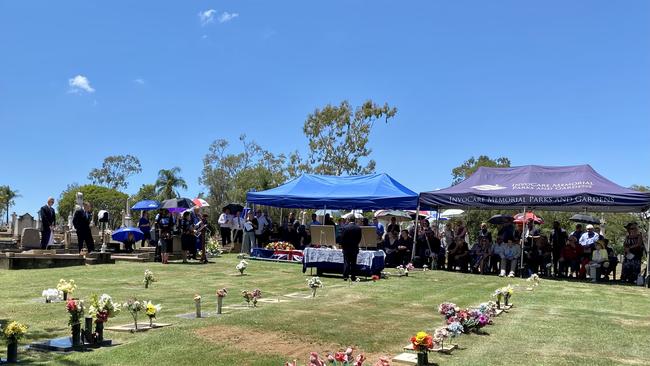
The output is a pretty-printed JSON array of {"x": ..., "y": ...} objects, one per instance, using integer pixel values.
[
  {"x": 81, "y": 223},
  {"x": 558, "y": 239},
  {"x": 350, "y": 239},
  {"x": 48, "y": 218}
]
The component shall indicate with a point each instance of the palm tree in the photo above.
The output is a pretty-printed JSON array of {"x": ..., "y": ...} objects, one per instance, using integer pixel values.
[
  {"x": 168, "y": 181},
  {"x": 7, "y": 196}
]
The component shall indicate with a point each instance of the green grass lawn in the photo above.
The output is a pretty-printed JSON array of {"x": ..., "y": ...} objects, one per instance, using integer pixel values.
[{"x": 560, "y": 323}]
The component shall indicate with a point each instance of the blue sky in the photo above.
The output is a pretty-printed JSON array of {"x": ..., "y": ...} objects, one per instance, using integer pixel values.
[{"x": 547, "y": 82}]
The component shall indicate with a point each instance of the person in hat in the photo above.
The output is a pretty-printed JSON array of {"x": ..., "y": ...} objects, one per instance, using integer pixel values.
[
  {"x": 484, "y": 232},
  {"x": 633, "y": 248}
]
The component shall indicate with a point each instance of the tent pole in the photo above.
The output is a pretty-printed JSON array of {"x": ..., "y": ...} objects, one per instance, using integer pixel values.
[
  {"x": 523, "y": 237},
  {"x": 415, "y": 231},
  {"x": 647, "y": 253}
]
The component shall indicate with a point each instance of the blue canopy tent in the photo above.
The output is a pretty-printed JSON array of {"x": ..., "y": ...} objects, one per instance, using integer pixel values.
[
  {"x": 561, "y": 188},
  {"x": 367, "y": 192}
]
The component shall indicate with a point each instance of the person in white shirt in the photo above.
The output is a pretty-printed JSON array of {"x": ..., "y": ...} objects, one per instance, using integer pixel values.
[
  {"x": 237, "y": 227},
  {"x": 224, "y": 222},
  {"x": 588, "y": 241}
]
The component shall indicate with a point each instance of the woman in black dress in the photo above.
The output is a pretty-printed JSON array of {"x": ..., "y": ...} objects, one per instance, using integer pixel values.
[
  {"x": 165, "y": 225},
  {"x": 187, "y": 235}
]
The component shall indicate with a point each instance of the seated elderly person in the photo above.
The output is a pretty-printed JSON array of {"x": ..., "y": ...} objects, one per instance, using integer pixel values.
[
  {"x": 570, "y": 258},
  {"x": 458, "y": 255},
  {"x": 599, "y": 259},
  {"x": 480, "y": 255},
  {"x": 496, "y": 253},
  {"x": 510, "y": 259}
]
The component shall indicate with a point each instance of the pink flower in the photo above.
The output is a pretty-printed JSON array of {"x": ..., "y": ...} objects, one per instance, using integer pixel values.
[
  {"x": 330, "y": 358},
  {"x": 360, "y": 359},
  {"x": 314, "y": 360},
  {"x": 348, "y": 351},
  {"x": 340, "y": 356},
  {"x": 290, "y": 363},
  {"x": 383, "y": 361}
]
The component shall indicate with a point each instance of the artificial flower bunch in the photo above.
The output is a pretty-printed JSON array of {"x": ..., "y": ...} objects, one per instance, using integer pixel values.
[
  {"x": 488, "y": 308},
  {"x": 251, "y": 296},
  {"x": 51, "y": 294},
  {"x": 241, "y": 266},
  {"x": 374, "y": 278},
  {"x": 410, "y": 267},
  {"x": 75, "y": 308},
  {"x": 151, "y": 311},
  {"x": 148, "y": 278},
  {"x": 439, "y": 337},
  {"x": 222, "y": 292},
  {"x": 280, "y": 245},
  {"x": 402, "y": 271},
  {"x": 448, "y": 309},
  {"x": 422, "y": 341},
  {"x": 533, "y": 279},
  {"x": 102, "y": 308},
  {"x": 213, "y": 247},
  {"x": 134, "y": 306},
  {"x": 503, "y": 294},
  {"x": 346, "y": 358},
  {"x": 455, "y": 329},
  {"x": 66, "y": 287},
  {"x": 197, "y": 298},
  {"x": 14, "y": 331},
  {"x": 314, "y": 282}
]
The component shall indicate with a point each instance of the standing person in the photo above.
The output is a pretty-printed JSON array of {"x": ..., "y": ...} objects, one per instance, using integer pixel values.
[
  {"x": 262, "y": 228},
  {"x": 633, "y": 247},
  {"x": 165, "y": 225},
  {"x": 558, "y": 239},
  {"x": 202, "y": 238},
  {"x": 224, "y": 226},
  {"x": 81, "y": 223},
  {"x": 328, "y": 220},
  {"x": 195, "y": 217},
  {"x": 145, "y": 226},
  {"x": 250, "y": 226},
  {"x": 350, "y": 239},
  {"x": 578, "y": 232},
  {"x": 188, "y": 240},
  {"x": 48, "y": 219},
  {"x": 237, "y": 227}
]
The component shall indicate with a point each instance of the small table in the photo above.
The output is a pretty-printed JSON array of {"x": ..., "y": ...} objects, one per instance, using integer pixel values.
[{"x": 327, "y": 260}]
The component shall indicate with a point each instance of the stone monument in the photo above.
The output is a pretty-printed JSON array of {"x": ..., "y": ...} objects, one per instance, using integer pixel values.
[{"x": 22, "y": 222}]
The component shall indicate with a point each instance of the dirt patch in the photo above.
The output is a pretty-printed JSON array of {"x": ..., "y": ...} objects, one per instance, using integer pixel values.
[
  {"x": 288, "y": 345},
  {"x": 633, "y": 323}
]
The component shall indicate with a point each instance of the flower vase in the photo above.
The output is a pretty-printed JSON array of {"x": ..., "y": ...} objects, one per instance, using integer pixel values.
[
  {"x": 507, "y": 299},
  {"x": 88, "y": 330},
  {"x": 151, "y": 322},
  {"x": 313, "y": 292},
  {"x": 219, "y": 304},
  {"x": 146, "y": 284},
  {"x": 423, "y": 358},
  {"x": 99, "y": 329},
  {"x": 12, "y": 351},
  {"x": 47, "y": 301},
  {"x": 198, "y": 309},
  {"x": 65, "y": 296},
  {"x": 76, "y": 334},
  {"x": 498, "y": 303}
]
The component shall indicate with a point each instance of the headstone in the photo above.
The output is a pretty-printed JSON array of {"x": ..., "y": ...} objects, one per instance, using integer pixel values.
[
  {"x": 30, "y": 239},
  {"x": 22, "y": 222},
  {"x": 14, "y": 217}
]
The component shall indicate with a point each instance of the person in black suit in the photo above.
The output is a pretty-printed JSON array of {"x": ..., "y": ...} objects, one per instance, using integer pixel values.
[
  {"x": 81, "y": 222},
  {"x": 350, "y": 239},
  {"x": 48, "y": 218}
]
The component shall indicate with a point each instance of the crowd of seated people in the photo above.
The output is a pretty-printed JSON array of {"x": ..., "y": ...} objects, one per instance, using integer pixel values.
[{"x": 582, "y": 254}]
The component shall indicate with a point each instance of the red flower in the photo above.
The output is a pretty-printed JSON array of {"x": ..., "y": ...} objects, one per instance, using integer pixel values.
[
  {"x": 383, "y": 361},
  {"x": 374, "y": 278},
  {"x": 340, "y": 356}
]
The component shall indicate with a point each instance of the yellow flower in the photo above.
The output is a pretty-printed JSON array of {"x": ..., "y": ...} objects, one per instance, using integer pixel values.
[
  {"x": 420, "y": 337},
  {"x": 15, "y": 330}
]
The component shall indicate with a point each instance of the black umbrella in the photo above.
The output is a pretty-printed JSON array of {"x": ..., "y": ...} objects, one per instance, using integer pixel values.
[
  {"x": 177, "y": 204},
  {"x": 585, "y": 219},
  {"x": 501, "y": 219},
  {"x": 234, "y": 207}
]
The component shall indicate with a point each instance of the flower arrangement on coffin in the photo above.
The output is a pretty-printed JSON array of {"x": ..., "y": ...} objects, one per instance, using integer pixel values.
[
  {"x": 66, "y": 287},
  {"x": 241, "y": 266},
  {"x": 280, "y": 245},
  {"x": 134, "y": 306},
  {"x": 12, "y": 333},
  {"x": 422, "y": 343},
  {"x": 75, "y": 309},
  {"x": 220, "y": 295},
  {"x": 149, "y": 278},
  {"x": 151, "y": 311},
  {"x": 314, "y": 284},
  {"x": 51, "y": 294},
  {"x": 251, "y": 296},
  {"x": 197, "y": 305}
]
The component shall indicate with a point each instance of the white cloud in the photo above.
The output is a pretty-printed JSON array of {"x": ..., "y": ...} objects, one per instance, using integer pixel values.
[
  {"x": 139, "y": 81},
  {"x": 207, "y": 16},
  {"x": 226, "y": 17},
  {"x": 80, "y": 83}
]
